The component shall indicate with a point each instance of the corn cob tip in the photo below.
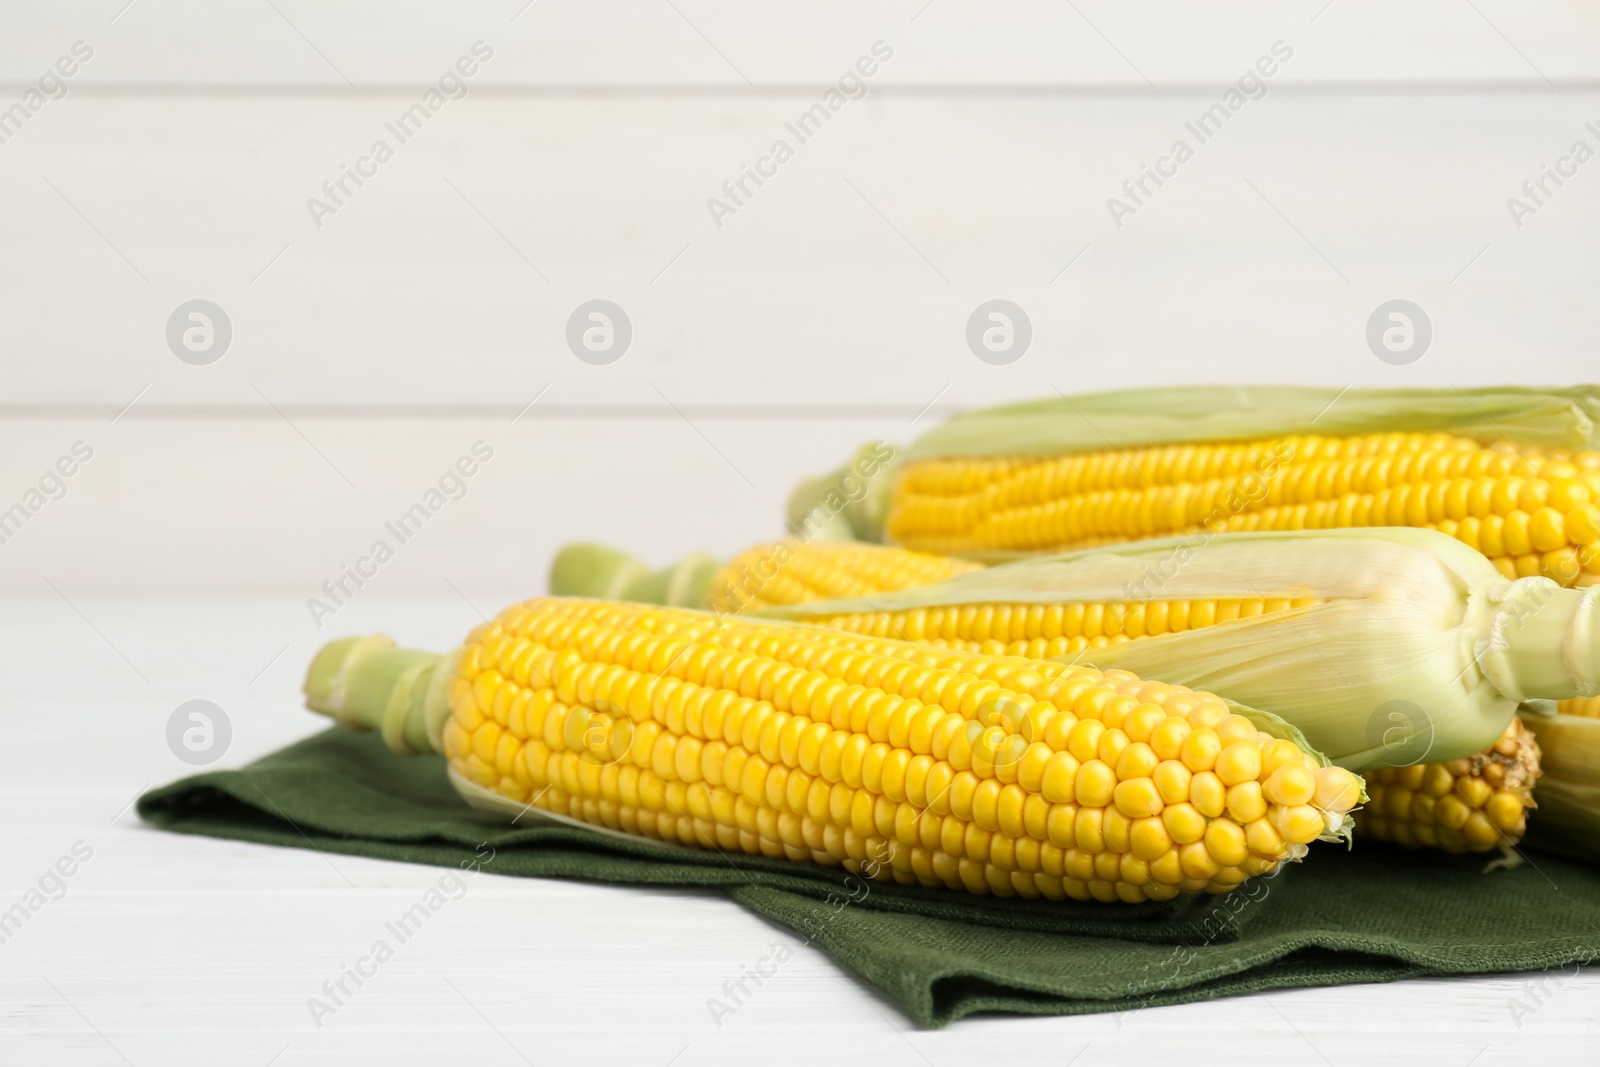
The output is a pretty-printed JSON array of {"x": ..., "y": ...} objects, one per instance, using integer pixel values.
[{"x": 365, "y": 683}]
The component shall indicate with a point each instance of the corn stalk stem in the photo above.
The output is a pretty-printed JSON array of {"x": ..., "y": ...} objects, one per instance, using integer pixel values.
[{"x": 366, "y": 683}]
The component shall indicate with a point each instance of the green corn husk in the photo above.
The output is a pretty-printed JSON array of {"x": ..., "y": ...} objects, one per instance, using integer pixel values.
[
  {"x": 1134, "y": 418},
  {"x": 1568, "y": 793},
  {"x": 1418, "y": 652},
  {"x": 605, "y": 573},
  {"x": 850, "y": 503}
]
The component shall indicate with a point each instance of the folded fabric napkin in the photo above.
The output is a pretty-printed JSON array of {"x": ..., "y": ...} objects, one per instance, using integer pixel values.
[{"x": 1371, "y": 915}]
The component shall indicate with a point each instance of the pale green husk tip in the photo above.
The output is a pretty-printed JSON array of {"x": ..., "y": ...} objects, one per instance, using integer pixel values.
[
  {"x": 592, "y": 570},
  {"x": 1561, "y": 418},
  {"x": 366, "y": 683},
  {"x": 850, "y": 503},
  {"x": 605, "y": 573}
]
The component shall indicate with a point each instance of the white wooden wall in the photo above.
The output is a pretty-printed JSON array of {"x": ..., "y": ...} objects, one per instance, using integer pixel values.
[{"x": 425, "y": 314}]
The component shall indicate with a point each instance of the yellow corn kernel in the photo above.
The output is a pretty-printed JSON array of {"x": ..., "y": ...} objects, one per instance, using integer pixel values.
[
  {"x": 1167, "y": 739},
  {"x": 1148, "y": 838},
  {"x": 1138, "y": 798},
  {"x": 1246, "y": 802},
  {"x": 1198, "y": 862},
  {"x": 1225, "y": 840},
  {"x": 1337, "y": 789},
  {"x": 1291, "y": 785},
  {"x": 1172, "y": 780},
  {"x": 1236, "y": 729},
  {"x": 1300, "y": 825},
  {"x": 1263, "y": 838},
  {"x": 1095, "y": 784},
  {"x": 1183, "y": 822},
  {"x": 1058, "y": 784},
  {"x": 1201, "y": 749},
  {"x": 1239, "y": 762},
  {"x": 1138, "y": 760},
  {"x": 1208, "y": 795}
]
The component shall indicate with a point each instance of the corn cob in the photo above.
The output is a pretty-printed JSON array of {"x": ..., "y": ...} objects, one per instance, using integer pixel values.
[
  {"x": 1586, "y": 706},
  {"x": 901, "y": 761},
  {"x": 772, "y": 574},
  {"x": 1512, "y": 473},
  {"x": 1466, "y": 805},
  {"x": 1531, "y": 511},
  {"x": 1569, "y": 791}
]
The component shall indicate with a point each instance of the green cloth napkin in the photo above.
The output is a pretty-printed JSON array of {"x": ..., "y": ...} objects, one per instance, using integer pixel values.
[{"x": 1373, "y": 915}]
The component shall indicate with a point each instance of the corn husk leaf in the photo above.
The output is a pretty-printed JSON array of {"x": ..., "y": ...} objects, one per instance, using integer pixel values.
[
  {"x": 586, "y": 569},
  {"x": 1384, "y": 671},
  {"x": 1568, "y": 794},
  {"x": 848, "y": 503},
  {"x": 1564, "y": 418},
  {"x": 591, "y": 570}
]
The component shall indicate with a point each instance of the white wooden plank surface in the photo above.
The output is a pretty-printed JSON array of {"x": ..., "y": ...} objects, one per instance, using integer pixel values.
[
  {"x": 726, "y": 44},
  {"x": 211, "y": 505},
  {"x": 449, "y": 277},
  {"x": 174, "y": 950}
]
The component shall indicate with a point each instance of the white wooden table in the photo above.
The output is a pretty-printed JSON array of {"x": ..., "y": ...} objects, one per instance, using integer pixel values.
[{"x": 174, "y": 950}]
